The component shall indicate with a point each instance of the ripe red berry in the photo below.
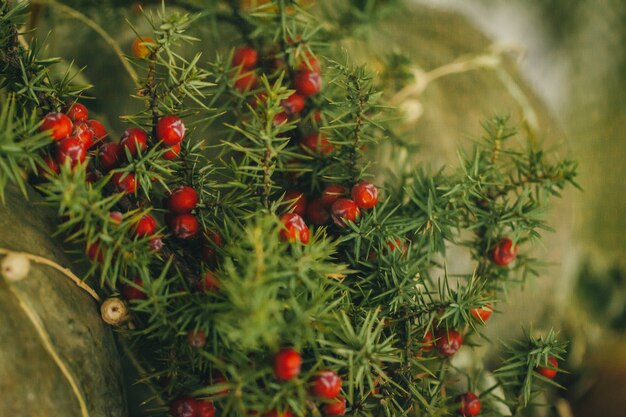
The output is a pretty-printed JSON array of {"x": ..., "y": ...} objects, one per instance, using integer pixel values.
[
  {"x": 146, "y": 226},
  {"x": 365, "y": 194},
  {"x": 124, "y": 181},
  {"x": 397, "y": 244},
  {"x": 209, "y": 282},
  {"x": 116, "y": 217},
  {"x": 448, "y": 342},
  {"x": 184, "y": 407},
  {"x": 246, "y": 81},
  {"x": 504, "y": 252},
  {"x": 293, "y": 104},
  {"x": 469, "y": 405},
  {"x": 246, "y": 57},
  {"x": 326, "y": 384},
  {"x": 294, "y": 229},
  {"x": 280, "y": 118},
  {"x": 295, "y": 202},
  {"x": 99, "y": 132},
  {"x": 344, "y": 210},
  {"x": 135, "y": 140},
  {"x": 83, "y": 132},
  {"x": 336, "y": 408},
  {"x": 49, "y": 166},
  {"x": 172, "y": 152},
  {"x": 551, "y": 370},
  {"x": 308, "y": 83},
  {"x": 317, "y": 212},
  {"x": 78, "y": 113},
  {"x": 134, "y": 291},
  {"x": 206, "y": 408},
  {"x": 308, "y": 62},
  {"x": 171, "y": 130},
  {"x": 95, "y": 253},
  {"x": 196, "y": 338},
  {"x": 482, "y": 314},
  {"x": 317, "y": 143},
  {"x": 142, "y": 46},
  {"x": 185, "y": 226},
  {"x": 58, "y": 124},
  {"x": 287, "y": 364},
  {"x": 332, "y": 193},
  {"x": 427, "y": 342},
  {"x": 72, "y": 149},
  {"x": 108, "y": 155},
  {"x": 182, "y": 200}
]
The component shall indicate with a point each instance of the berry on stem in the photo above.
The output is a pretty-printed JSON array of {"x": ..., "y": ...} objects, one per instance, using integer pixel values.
[
  {"x": 146, "y": 226},
  {"x": 287, "y": 364},
  {"x": 293, "y": 104},
  {"x": 196, "y": 338},
  {"x": 332, "y": 193},
  {"x": 326, "y": 384},
  {"x": 365, "y": 194},
  {"x": 124, "y": 181},
  {"x": 49, "y": 166},
  {"x": 317, "y": 143},
  {"x": 134, "y": 291},
  {"x": 344, "y": 210},
  {"x": 182, "y": 200},
  {"x": 58, "y": 124},
  {"x": 295, "y": 202},
  {"x": 504, "y": 252},
  {"x": 171, "y": 130},
  {"x": 70, "y": 148},
  {"x": 448, "y": 342},
  {"x": 551, "y": 370},
  {"x": 427, "y": 342},
  {"x": 308, "y": 83},
  {"x": 98, "y": 129},
  {"x": 172, "y": 152},
  {"x": 95, "y": 253},
  {"x": 78, "y": 113},
  {"x": 246, "y": 81},
  {"x": 83, "y": 131},
  {"x": 336, "y": 408},
  {"x": 109, "y": 155},
  {"x": 246, "y": 57},
  {"x": 184, "y": 407},
  {"x": 294, "y": 229},
  {"x": 208, "y": 283},
  {"x": 482, "y": 313},
  {"x": 140, "y": 48},
  {"x": 185, "y": 226},
  {"x": 206, "y": 408},
  {"x": 317, "y": 212},
  {"x": 135, "y": 140},
  {"x": 211, "y": 239},
  {"x": 469, "y": 405}
]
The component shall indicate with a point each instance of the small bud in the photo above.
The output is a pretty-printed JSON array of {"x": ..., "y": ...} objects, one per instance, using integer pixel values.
[
  {"x": 113, "y": 311},
  {"x": 15, "y": 266}
]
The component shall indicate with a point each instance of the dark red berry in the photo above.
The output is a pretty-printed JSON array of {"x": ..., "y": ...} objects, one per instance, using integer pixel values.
[
  {"x": 246, "y": 57},
  {"x": 294, "y": 229},
  {"x": 482, "y": 313},
  {"x": 95, "y": 253},
  {"x": 72, "y": 149},
  {"x": 196, "y": 338},
  {"x": 317, "y": 212},
  {"x": 308, "y": 83},
  {"x": 185, "y": 226},
  {"x": 504, "y": 252},
  {"x": 83, "y": 132},
  {"x": 108, "y": 155},
  {"x": 280, "y": 118},
  {"x": 49, "y": 166},
  {"x": 209, "y": 282},
  {"x": 146, "y": 226},
  {"x": 287, "y": 364},
  {"x": 99, "y": 132},
  {"x": 217, "y": 378},
  {"x": 317, "y": 143},
  {"x": 246, "y": 81},
  {"x": 308, "y": 63},
  {"x": 326, "y": 384},
  {"x": 332, "y": 193},
  {"x": 427, "y": 342},
  {"x": 293, "y": 104},
  {"x": 397, "y": 244},
  {"x": 134, "y": 291},
  {"x": 172, "y": 152},
  {"x": 206, "y": 408},
  {"x": 58, "y": 124},
  {"x": 295, "y": 201},
  {"x": 211, "y": 240},
  {"x": 171, "y": 130},
  {"x": 135, "y": 140},
  {"x": 365, "y": 194},
  {"x": 182, "y": 200},
  {"x": 551, "y": 370},
  {"x": 336, "y": 408},
  {"x": 448, "y": 342},
  {"x": 469, "y": 405},
  {"x": 78, "y": 113},
  {"x": 184, "y": 407},
  {"x": 124, "y": 181},
  {"x": 344, "y": 210}
]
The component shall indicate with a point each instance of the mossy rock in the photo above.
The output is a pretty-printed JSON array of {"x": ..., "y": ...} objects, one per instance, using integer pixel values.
[{"x": 32, "y": 382}]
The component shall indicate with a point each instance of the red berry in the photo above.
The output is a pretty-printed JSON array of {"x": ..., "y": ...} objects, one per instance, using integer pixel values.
[
  {"x": 246, "y": 81},
  {"x": 135, "y": 140},
  {"x": 317, "y": 116},
  {"x": 196, "y": 338},
  {"x": 217, "y": 378},
  {"x": 171, "y": 130},
  {"x": 427, "y": 342},
  {"x": 78, "y": 113},
  {"x": 397, "y": 244},
  {"x": 211, "y": 239},
  {"x": 99, "y": 132},
  {"x": 184, "y": 407},
  {"x": 124, "y": 181},
  {"x": 146, "y": 226},
  {"x": 365, "y": 195},
  {"x": 134, "y": 291},
  {"x": 108, "y": 155},
  {"x": 308, "y": 63},
  {"x": 95, "y": 253},
  {"x": 326, "y": 384},
  {"x": 317, "y": 143},
  {"x": 83, "y": 132},
  {"x": 185, "y": 226},
  {"x": 469, "y": 405},
  {"x": 287, "y": 364},
  {"x": 182, "y": 200},
  {"x": 280, "y": 118},
  {"x": 336, "y": 408},
  {"x": 206, "y": 408},
  {"x": 317, "y": 212},
  {"x": 258, "y": 99},
  {"x": 294, "y": 229},
  {"x": 448, "y": 342},
  {"x": 245, "y": 57},
  {"x": 295, "y": 201},
  {"x": 482, "y": 313},
  {"x": 50, "y": 166},
  {"x": 172, "y": 152},
  {"x": 332, "y": 193},
  {"x": 209, "y": 282},
  {"x": 116, "y": 217},
  {"x": 293, "y": 104},
  {"x": 344, "y": 210},
  {"x": 143, "y": 46},
  {"x": 71, "y": 148},
  {"x": 550, "y": 371},
  {"x": 504, "y": 252},
  {"x": 308, "y": 83},
  {"x": 58, "y": 124}
]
